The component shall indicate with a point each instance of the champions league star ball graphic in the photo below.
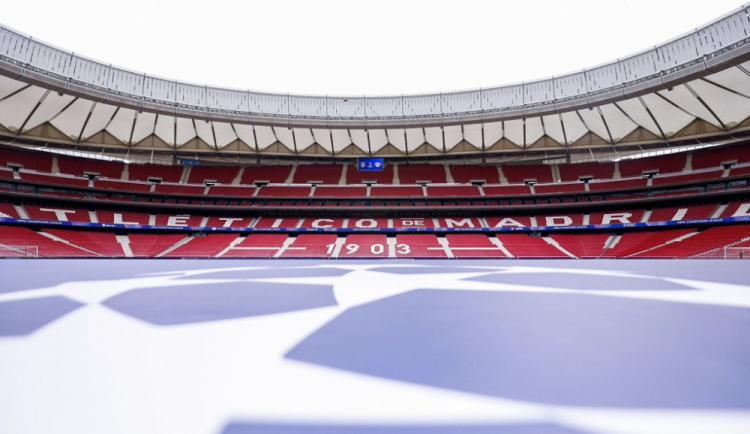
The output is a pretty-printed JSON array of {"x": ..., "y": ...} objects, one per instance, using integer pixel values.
[{"x": 234, "y": 347}]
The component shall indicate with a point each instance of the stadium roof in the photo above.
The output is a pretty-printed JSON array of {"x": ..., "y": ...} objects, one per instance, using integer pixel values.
[{"x": 692, "y": 88}]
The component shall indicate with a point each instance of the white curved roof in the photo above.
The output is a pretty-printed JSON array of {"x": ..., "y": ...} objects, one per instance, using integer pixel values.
[{"x": 696, "y": 85}]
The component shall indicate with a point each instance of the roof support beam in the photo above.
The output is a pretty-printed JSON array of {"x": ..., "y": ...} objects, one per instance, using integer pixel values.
[
  {"x": 31, "y": 113},
  {"x": 653, "y": 118},
  {"x": 698, "y": 97}
]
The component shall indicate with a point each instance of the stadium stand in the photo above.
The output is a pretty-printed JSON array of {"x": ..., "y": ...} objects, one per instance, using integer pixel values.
[
  {"x": 224, "y": 190},
  {"x": 419, "y": 246},
  {"x": 24, "y": 242},
  {"x": 417, "y": 173},
  {"x": 318, "y": 173},
  {"x": 57, "y": 213},
  {"x": 311, "y": 246},
  {"x": 103, "y": 243},
  {"x": 704, "y": 241},
  {"x": 282, "y": 191},
  {"x": 206, "y": 246},
  {"x": 121, "y": 186},
  {"x": 662, "y": 164},
  {"x": 381, "y": 191},
  {"x": 464, "y": 174},
  {"x": 148, "y": 245},
  {"x": 582, "y": 245},
  {"x": 715, "y": 157},
  {"x": 575, "y": 172},
  {"x": 525, "y": 246},
  {"x": 122, "y": 217},
  {"x": 323, "y": 191},
  {"x": 52, "y": 179},
  {"x": 256, "y": 246},
  {"x": 354, "y": 176},
  {"x": 81, "y": 166},
  {"x": 364, "y": 246},
  {"x": 679, "y": 179},
  {"x": 216, "y": 174},
  {"x": 266, "y": 174},
  {"x": 473, "y": 246},
  {"x": 519, "y": 174},
  {"x": 29, "y": 160},
  {"x": 461, "y": 190},
  {"x": 144, "y": 172},
  {"x": 506, "y": 190}
]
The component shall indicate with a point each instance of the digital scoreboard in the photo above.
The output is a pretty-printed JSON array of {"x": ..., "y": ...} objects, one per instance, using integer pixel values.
[{"x": 370, "y": 164}]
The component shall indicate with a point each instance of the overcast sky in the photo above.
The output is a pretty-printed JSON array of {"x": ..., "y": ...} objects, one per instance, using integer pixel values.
[{"x": 350, "y": 47}]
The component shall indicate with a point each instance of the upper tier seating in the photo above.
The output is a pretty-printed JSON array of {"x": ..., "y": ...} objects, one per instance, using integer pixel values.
[
  {"x": 276, "y": 222},
  {"x": 122, "y": 186},
  {"x": 413, "y": 223},
  {"x": 509, "y": 221},
  {"x": 574, "y": 172},
  {"x": 142, "y": 172},
  {"x": 560, "y": 188},
  {"x": 225, "y": 190},
  {"x": 217, "y": 174},
  {"x": 52, "y": 179},
  {"x": 282, "y": 191},
  {"x": 460, "y": 190},
  {"x": 714, "y": 157},
  {"x": 616, "y": 216},
  {"x": 503, "y": 190},
  {"x": 29, "y": 160},
  {"x": 228, "y": 221},
  {"x": 354, "y": 176},
  {"x": 560, "y": 219},
  {"x": 673, "y": 163},
  {"x": 713, "y": 174},
  {"x": 381, "y": 191},
  {"x": 326, "y": 174},
  {"x": 459, "y": 222},
  {"x": 736, "y": 209},
  {"x": 413, "y": 173},
  {"x": 520, "y": 174},
  {"x": 322, "y": 191},
  {"x": 618, "y": 184},
  {"x": 79, "y": 166},
  {"x": 179, "y": 189},
  {"x": 270, "y": 174},
  {"x": 464, "y": 174}
]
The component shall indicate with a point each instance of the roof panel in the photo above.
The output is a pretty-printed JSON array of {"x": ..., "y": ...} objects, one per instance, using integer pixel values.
[
  {"x": 265, "y": 136},
  {"x": 681, "y": 96},
  {"x": 121, "y": 124},
  {"x": 165, "y": 129},
  {"x": 414, "y": 138},
  {"x": 493, "y": 132},
  {"x": 534, "y": 130},
  {"x": 396, "y": 138},
  {"x": 144, "y": 126},
  {"x": 304, "y": 138},
  {"x": 574, "y": 127},
  {"x": 514, "y": 131},
  {"x": 732, "y": 78},
  {"x": 99, "y": 119},
  {"x": 185, "y": 131},
  {"x": 205, "y": 132},
  {"x": 15, "y": 109},
  {"x": 619, "y": 124},
  {"x": 553, "y": 128},
  {"x": 594, "y": 122},
  {"x": 71, "y": 120},
  {"x": 453, "y": 135},
  {"x": 670, "y": 118},
  {"x": 434, "y": 136},
  {"x": 51, "y": 106},
  {"x": 359, "y": 137},
  {"x": 322, "y": 137},
  {"x": 638, "y": 113},
  {"x": 473, "y": 134},
  {"x": 224, "y": 134},
  {"x": 8, "y": 86},
  {"x": 730, "y": 107},
  {"x": 245, "y": 133},
  {"x": 341, "y": 140},
  {"x": 378, "y": 139},
  {"x": 284, "y": 135}
]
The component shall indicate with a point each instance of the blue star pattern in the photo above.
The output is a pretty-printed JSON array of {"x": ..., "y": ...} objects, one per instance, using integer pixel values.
[{"x": 241, "y": 346}]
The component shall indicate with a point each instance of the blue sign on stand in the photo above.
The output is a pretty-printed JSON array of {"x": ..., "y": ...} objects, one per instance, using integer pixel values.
[
  {"x": 188, "y": 162},
  {"x": 370, "y": 164}
]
